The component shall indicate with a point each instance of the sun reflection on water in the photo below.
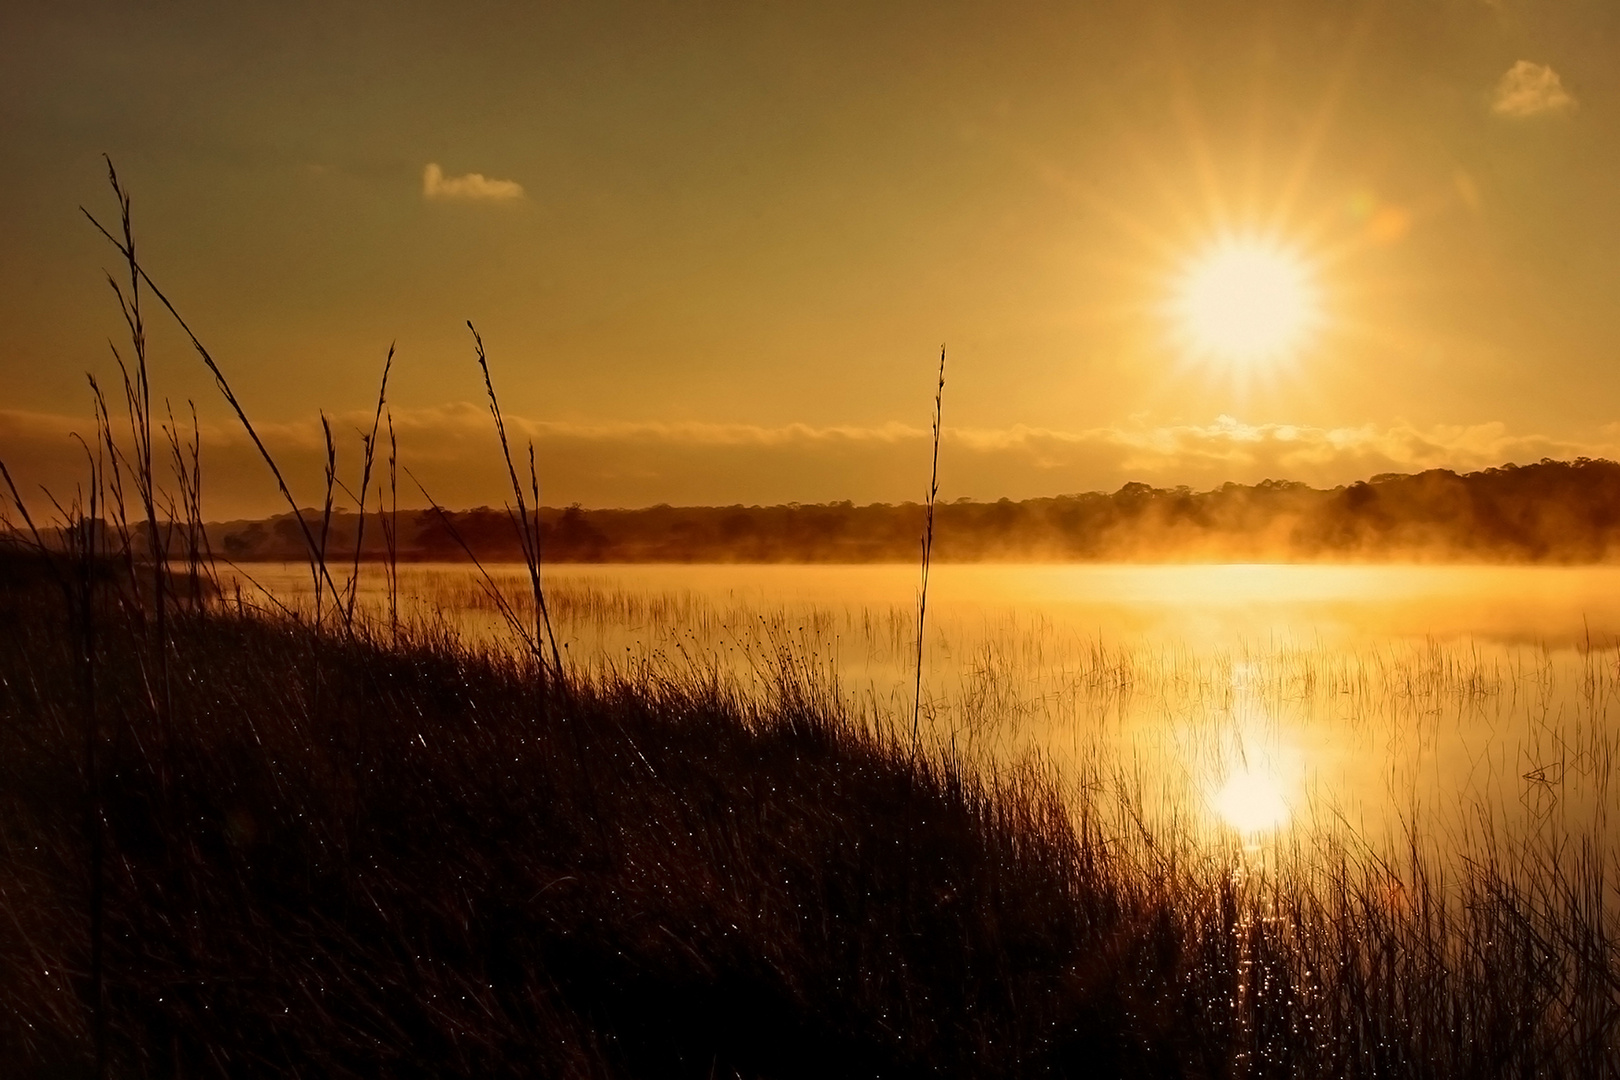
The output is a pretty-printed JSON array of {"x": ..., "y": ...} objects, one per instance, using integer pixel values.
[
  {"x": 1260, "y": 775},
  {"x": 1251, "y": 801},
  {"x": 1250, "y": 702}
]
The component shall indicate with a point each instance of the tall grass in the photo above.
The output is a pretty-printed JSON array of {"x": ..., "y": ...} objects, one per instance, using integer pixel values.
[
  {"x": 927, "y": 549},
  {"x": 422, "y": 857},
  {"x": 418, "y": 875},
  {"x": 528, "y": 531},
  {"x": 126, "y": 247},
  {"x": 369, "y": 444}
]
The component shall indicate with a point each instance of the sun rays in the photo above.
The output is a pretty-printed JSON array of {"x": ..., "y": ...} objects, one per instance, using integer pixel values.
[{"x": 1237, "y": 254}]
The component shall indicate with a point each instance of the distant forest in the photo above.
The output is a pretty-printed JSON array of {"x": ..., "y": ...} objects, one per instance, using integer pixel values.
[{"x": 1553, "y": 511}]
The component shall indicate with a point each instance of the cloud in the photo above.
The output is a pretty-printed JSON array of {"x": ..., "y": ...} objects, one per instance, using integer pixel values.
[
  {"x": 1529, "y": 89},
  {"x": 468, "y": 188},
  {"x": 452, "y": 448}
]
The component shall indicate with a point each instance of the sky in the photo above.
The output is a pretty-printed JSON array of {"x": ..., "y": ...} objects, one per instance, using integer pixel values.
[{"x": 714, "y": 250}]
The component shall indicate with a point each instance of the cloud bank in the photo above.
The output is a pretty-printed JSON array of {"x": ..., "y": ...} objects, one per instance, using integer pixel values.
[
  {"x": 453, "y": 451},
  {"x": 1529, "y": 89},
  {"x": 473, "y": 187}
]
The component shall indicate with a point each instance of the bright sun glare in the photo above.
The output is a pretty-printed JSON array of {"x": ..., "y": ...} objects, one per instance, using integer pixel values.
[
  {"x": 1245, "y": 302},
  {"x": 1251, "y": 801}
]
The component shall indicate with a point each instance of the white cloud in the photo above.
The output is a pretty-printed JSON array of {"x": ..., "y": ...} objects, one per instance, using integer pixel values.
[
  {"x": 468, "y": 188},
  {"x": 1529, "y": 89}
]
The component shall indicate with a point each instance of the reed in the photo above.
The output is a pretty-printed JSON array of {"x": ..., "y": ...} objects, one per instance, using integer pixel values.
[
  {"x": 369, "y": 446},
  {"x": 126, "y": 247},
  {"x": 528, "y": 532},
  {"x": 425, "y": 857},
  {"x": 413, "y": 878},
  {"x": 488, "y": 583},
  {"x": 390, "y": 525},
  {"x": 927, "y": 549}
]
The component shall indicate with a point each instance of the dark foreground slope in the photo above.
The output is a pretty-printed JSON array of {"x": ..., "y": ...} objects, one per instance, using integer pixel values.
[
  {"x": 322, "y": 857},
  {"x": 327, "y": 858}
]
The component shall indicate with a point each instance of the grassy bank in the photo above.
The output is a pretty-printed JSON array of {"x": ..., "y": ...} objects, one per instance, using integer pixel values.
[
  {"x": 327, "y": 856},
  {"x": 245, "y": 843},
  {"x": 336, "y": 858}
]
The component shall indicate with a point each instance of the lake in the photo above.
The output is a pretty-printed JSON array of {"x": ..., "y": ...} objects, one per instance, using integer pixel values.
[{"x": 1461, "y": 710}]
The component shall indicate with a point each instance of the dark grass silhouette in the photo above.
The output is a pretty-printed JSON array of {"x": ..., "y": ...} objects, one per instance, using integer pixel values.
[
  {"x": 255, "y": 843},
  {"x": 927, "y": 551},
  {"x": 418, "y": 878},
  {"x": 415, "y": 859}
]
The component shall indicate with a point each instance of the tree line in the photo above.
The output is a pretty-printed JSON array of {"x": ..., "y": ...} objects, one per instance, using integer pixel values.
[{"x": 1551, "y": 511}]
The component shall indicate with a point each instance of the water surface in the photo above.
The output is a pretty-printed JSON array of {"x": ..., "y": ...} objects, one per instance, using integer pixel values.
[{"x": 1463, "y": 707}]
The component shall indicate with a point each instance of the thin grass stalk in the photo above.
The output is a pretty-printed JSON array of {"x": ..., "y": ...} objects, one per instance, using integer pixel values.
[
  {"x": 221, "y": 383},
  {"x": 370, "y": 443},
  {"x": 528, "y": 538},
  {"x": 491, "y": 588},
  {"x": 38, "y": 541},
  {"x": 541, "y": 614},
  {"x": 393, "y": 530},
  {"x": 388, "y": 554},
  {"x": 191, "y": 504},
  {"x": 326, "y": 514},
  {"x": 240, "y": 571},
  {"x": 138, "y": 398},
  {"x": 117, "y": 509},
  {"x": 182, "y": 455},
  {"x": 205, "y": 549},
  {"x": 927, "y": 557},
  {"x": 177, "y": 516}
]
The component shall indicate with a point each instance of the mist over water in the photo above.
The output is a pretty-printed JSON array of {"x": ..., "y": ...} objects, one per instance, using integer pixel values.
[{"x": 1463, "y": 710}]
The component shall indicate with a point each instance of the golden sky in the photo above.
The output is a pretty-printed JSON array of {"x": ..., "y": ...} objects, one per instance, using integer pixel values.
[{"x": 713, "y": 249}]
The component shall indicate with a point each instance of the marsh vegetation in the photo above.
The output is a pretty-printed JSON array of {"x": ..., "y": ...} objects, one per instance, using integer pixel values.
[
  {"x": 379, "y": 820},
  {"x": 346, "y": 854}
]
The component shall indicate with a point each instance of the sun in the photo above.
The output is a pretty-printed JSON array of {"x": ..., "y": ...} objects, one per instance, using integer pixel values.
[{"x": 1245, "y": 302}]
